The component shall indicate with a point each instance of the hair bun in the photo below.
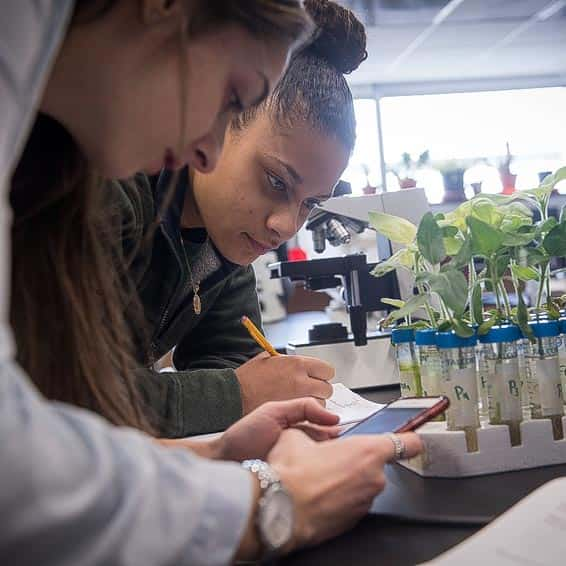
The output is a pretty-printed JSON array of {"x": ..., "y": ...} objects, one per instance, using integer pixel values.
[{"x": 339, "y": 37}]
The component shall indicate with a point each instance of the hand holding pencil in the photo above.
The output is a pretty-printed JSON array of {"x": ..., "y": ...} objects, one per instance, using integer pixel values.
[{"x": 277, "y": 377}]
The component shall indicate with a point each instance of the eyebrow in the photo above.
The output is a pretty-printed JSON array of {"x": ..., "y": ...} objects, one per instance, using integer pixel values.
[
  {"x": 296, "y": 177},
  {"x": 264, "y": 92}
]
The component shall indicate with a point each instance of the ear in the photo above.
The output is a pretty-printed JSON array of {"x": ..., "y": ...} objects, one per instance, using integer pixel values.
[{"x": 158, "y": 11}]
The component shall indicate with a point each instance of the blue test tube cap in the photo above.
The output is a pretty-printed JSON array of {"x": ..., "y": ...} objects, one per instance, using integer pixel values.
[
  {"x": 445, "y": 340},
  {"x": 501, "y": 333},
  {"x": 425, "y": 337},
  {"x": 545, "y": 328},
  {"x": 402, "y": 335}
]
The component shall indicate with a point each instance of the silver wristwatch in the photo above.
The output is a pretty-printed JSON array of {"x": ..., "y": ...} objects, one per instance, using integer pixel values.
[{"x": 275, "y": 516}]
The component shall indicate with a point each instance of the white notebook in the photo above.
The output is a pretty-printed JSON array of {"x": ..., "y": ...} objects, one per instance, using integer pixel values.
[
  {"x": 531, "y": 533},
  {"x": 349, "y": 406}
]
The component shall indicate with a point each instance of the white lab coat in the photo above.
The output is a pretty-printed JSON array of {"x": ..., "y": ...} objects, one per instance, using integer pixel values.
[{"x": 74, "y": 490}]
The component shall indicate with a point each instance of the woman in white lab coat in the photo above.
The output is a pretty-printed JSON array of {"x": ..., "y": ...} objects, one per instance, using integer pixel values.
[{"x": 73, "y": 488}]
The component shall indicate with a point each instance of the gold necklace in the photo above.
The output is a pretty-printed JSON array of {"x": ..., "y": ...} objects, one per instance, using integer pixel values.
[{"x": 197, "y": 304}]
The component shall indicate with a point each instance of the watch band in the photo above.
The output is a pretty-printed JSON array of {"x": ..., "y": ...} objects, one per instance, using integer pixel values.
[
  {"x": 266, "y": 475},
  {"x": 269, "y": 482}
]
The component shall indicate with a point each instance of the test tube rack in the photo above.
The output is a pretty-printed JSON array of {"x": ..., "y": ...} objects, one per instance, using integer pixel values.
[{"x": 446, "y": 454}]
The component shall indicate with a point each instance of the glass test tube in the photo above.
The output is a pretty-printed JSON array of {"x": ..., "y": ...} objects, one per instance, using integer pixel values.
[
  {"x": 543, "y": 375},
  {"x": 499, "y": 350},
  {"x": 458, "y": 363},
  {"x": 403, "y": 340},
  {"x": 429, "y": 364}
]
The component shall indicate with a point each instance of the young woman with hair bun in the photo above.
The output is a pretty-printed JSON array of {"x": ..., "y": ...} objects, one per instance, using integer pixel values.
[{"x": 279, "y": 159}]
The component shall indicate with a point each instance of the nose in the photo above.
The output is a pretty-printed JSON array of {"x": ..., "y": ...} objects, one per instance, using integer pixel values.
[
  {"x": 284, "y": 223},
  {"x": 205, "y": 152}
]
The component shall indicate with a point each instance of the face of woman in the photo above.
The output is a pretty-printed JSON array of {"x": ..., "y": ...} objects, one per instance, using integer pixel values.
[
  {"x": 265, "y": 182},
  {"x": 227, "y": 71},
  {"x": 123, "y": 102}
]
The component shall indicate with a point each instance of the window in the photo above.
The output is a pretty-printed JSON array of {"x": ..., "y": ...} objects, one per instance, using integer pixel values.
[
  {"x": 364, "y": 167},
  {"x": 466, "y": 137}
]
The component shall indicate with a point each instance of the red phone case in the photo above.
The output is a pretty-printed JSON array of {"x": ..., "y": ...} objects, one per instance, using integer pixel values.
[{"x": 425, "y": 416}]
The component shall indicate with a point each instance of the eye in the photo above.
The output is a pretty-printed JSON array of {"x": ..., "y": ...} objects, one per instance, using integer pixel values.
[
  {"x": 276, "y": 183},
  {"x": 235, "y": 102}
]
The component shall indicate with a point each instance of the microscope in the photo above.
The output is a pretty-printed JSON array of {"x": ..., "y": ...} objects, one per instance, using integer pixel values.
[{"x": 362, "y": 357}]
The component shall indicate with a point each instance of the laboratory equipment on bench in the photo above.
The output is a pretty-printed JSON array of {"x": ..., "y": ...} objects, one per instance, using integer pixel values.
[{"x": 362, "y": 356}]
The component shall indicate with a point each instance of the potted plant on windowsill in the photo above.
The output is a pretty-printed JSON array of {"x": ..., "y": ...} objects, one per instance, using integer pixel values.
[
  {"x": 507, "y": 178},
  {"x": 406, "y": 169}
]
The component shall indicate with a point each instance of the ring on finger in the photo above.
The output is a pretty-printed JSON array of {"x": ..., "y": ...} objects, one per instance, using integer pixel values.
[{"x": 398, "y": 445}]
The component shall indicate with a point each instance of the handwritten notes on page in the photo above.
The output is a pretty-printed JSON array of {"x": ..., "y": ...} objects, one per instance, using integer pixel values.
[
  {"x": 349, "y": 406},
  {"x": 531, "y": 533}
]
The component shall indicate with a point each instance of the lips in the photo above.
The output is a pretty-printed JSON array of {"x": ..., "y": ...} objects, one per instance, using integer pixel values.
[{"x": 256, "y": 246}]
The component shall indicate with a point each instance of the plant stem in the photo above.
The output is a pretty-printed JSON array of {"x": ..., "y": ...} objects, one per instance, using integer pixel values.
[
  {"x": 541, "y": 285},
  {"x": 494, "y": 284},
  {"x": 445, "y": 313},
  {"x": 505, "y": 301},
  {"x": 422, "y": 291},
  {"x": 471, "y": 285},
  {"x": 514, "y": 279}
]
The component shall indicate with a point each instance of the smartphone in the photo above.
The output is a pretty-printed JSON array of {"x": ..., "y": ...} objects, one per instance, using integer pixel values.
[{"x": 403, "y": 415}]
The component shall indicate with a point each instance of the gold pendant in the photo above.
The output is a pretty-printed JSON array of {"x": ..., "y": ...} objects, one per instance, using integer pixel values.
[{"x": 196, "y": 302}]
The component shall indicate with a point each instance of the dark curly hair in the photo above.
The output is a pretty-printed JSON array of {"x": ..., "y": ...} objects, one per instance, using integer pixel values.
[{"x": 313, "y": 89}]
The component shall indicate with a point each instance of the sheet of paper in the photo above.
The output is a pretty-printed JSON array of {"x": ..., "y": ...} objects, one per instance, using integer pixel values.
[
  {"x": 531, "y": 533},
  {"x": 349, "y": 406}
]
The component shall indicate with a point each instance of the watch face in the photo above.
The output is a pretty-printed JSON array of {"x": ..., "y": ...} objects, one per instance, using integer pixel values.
[{"x": 276, "y": 517}]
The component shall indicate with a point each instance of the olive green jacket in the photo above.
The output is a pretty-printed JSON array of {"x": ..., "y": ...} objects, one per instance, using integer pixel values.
[{"x": 204, "y": 395}]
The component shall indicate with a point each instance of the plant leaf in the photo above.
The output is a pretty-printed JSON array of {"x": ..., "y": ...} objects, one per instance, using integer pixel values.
[
  {"x": 452, "y": 288},
  {"x": 477, "y": 306},
  {"x": 553, "y": 312},
  {"x": 546, "y": 226},
  {"x": 486, "y": 211},
  {"x": 464, "y": 255},
  {"x": 523, "y": 317},
  {"x": 555, "y": 241},
  {"x": 535, "y": 256},
  {"x": 515, "y": 239},
  {"x": 429, "y": 239},
  {"x": 453, "y": 245},
  {"x": 400, "y": 259},
  {"x": 486, "y": 325},
  {"x": 393, "y": 302},
  {"x": 538, "y": 194},
  {"x": 501, "y": 264},
  {"x": 449, "y": 231},
  {"x": 525, "y": 273},
  {"x": 395, "y": 228},
  {"x": 413, "y": 304},
  {"x": 462, "y": 329},
  {"x": 486, "y": 240}
]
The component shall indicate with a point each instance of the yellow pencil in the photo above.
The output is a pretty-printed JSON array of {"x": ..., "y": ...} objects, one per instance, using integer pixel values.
[{"x": 258, "y": 336}]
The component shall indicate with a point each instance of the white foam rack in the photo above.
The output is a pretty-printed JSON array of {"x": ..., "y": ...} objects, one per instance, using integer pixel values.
[{"x": 446, "y": 454}]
